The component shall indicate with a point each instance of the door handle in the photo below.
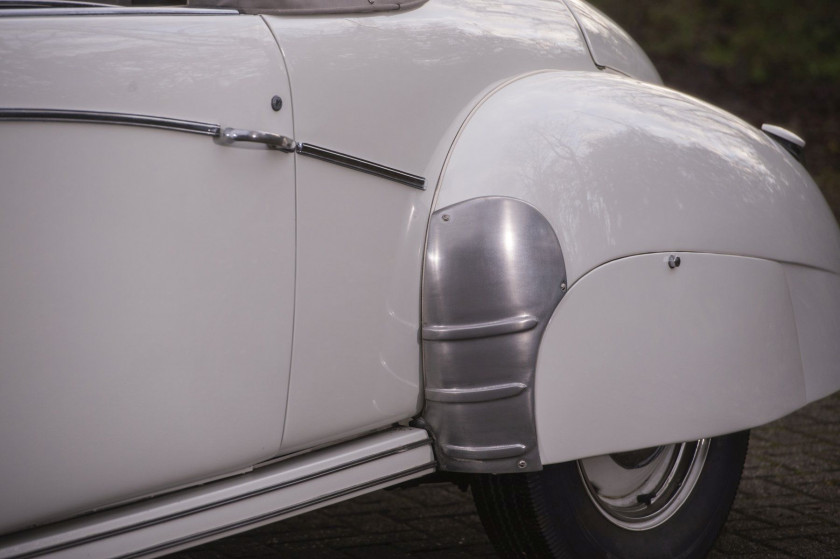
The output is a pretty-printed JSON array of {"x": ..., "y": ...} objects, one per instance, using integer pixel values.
[{"x": 273, "y": 141}]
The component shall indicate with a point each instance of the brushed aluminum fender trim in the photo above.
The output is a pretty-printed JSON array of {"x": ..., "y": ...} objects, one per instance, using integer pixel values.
[
  {"x": 494, "y": 273},
  {"x": 480, "y": 394},
  {"x": 480, "y": 330},
  {"x": 484, "y": 452}
]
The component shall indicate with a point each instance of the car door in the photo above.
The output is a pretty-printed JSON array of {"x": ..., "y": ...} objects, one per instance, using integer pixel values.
[{"x": 146, "y": 268}]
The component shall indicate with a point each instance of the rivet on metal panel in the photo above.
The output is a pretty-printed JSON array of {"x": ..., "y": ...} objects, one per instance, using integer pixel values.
[
  {"x": 445, "y": 217},
  {"x": 276, "y": 103},
  {"x": 674, "y": 261},
  {"x": 522, "y": 464},
  {"x": 563, "y": 286}
]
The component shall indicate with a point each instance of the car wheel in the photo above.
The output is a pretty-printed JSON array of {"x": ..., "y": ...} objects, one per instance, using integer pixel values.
[{"x": 667, "y": 501}]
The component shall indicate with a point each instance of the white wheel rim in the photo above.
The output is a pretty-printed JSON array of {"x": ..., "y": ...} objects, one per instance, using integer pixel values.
[{"x": 643, "y": 489}]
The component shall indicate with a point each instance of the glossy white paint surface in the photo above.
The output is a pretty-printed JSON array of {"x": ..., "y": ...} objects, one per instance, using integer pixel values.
[
  {"x": 392, "y": 89},
  {"x": 213, "y": 68},
  {"x": 638, "y": 354},
  {"x": 147, "y": 281},
  {"x": 816, "y": 304},
  {"x": 620, "y": 167},
  {"x": 611, "y": 46},
  {"x": 157, "y": 267}
]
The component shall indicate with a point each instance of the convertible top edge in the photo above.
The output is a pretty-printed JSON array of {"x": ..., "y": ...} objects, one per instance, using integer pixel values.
[
  {"x": 192, "y": 7},
  {"x": 309, "y": 7}
]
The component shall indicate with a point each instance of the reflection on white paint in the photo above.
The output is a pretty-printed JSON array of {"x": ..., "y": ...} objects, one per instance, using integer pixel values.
[{"x": 623, "y": 167}]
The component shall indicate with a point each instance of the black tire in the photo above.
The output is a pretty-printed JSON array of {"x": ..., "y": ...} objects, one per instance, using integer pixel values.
[{"x": 559, "y": 513}]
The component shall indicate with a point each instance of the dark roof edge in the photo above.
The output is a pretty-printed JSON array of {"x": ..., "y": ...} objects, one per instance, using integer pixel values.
[{"x": 308, "y": 7}]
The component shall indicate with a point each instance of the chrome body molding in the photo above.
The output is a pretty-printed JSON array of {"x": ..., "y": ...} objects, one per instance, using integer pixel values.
[
  {"x": 362, "y": 165},
  {"x": 247, "y": 524},
  {"x": 111, "y": 11},
  {"x": 227, "y": 136},
  {"x": 267, "y": 494},
  {"x": 493, "y": 275},
  {"x": 96, "y": 117},
  {"x": 273, "y": 141}
]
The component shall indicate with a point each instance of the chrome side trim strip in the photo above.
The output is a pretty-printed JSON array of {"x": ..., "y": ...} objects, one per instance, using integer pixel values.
[
  {"x": 231, "y": 135},
  {"x": 273, "y": 141},
  {"x": 362, "y": 165},
  {"x": 112, "y": 11},
  {"x": 73, "y": 543},
  {"x": 95, "y": 117},
  {"x": 484, "y": 452},
  {"x": 479, "y": 394},
  {"x": 429, "y": 467},
  {"x": 481, "y": 329}
]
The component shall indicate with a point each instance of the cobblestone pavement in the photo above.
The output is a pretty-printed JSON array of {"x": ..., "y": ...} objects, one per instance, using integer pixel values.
[{"x": 788, "y": 505}]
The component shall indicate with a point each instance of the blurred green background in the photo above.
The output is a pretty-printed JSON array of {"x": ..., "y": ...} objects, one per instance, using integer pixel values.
[{"x": 767, "y": 61}]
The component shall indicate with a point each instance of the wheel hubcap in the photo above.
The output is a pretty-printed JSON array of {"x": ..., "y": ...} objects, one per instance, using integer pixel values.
[{"x": 641, "y": 489}]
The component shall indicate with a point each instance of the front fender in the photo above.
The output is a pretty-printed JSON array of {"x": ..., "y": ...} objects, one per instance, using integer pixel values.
[
  {"x": 628, "y": 173},
  {"x": 620, "y": 167}
]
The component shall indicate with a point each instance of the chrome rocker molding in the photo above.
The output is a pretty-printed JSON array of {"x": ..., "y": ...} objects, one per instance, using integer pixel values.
[
  {"x": 225, "y": 136},
  {"x": 494, "y": 272},
  {"x": 267, "y": 494}
]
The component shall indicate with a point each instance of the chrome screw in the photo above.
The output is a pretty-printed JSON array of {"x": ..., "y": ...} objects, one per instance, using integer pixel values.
[
  {"x": 446, "y": 217},
  {"x": 522, "y": 464},
  {"x": 563, "y": 286}
]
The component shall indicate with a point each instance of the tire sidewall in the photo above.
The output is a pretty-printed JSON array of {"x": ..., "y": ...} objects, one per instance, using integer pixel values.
[{"x": 690, "y": 532}]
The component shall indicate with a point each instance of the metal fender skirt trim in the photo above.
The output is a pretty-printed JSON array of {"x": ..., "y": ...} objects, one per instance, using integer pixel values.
[
  {"x": 227, "y": 136},
  {"x": 494, "y": 272},
  {"x": 186, "y": 518}
]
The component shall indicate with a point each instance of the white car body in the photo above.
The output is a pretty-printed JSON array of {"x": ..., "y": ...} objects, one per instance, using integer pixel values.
[{"x": 179, "y": 310}]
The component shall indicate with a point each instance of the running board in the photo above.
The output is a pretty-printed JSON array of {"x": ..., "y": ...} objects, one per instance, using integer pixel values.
[{"x": 194, "y": 516}]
